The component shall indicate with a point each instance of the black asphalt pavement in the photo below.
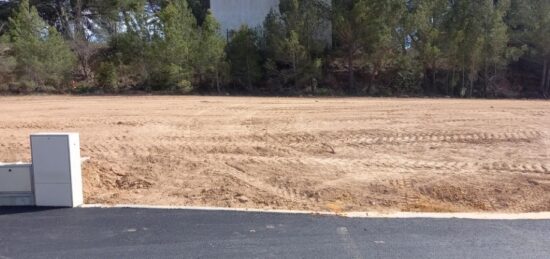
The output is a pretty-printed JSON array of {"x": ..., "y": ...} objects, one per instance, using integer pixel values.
[{"x": 157, "y": 233}]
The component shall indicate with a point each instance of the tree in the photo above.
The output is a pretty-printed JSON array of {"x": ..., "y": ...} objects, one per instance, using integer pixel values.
[
  {"x": 210, "y": 63},
  {"x": 428, "y": 37},
  {"x": 496, "y": 53},
  {"x": 244, "y": 58},
  {"x": 530, "y": 22},
  {"x": 294, "y": 42},
  {"x": 466, "y": 44},
  {"x": 199, "y": 10},
  {"x": 350, "y": 34},
  {"x": 382, "y": 46},
  {"x": 42, "y": 56},
  {"x": 480, "y": 40},
  {"x": 366, "y": 36},
  {"x": 174, "y": 48}
]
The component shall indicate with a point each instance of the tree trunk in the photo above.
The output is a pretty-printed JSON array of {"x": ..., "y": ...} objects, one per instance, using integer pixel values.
[
  {"x": 351, "y": 74},
  {"x": 371, "y": 82},
  {"x": 462, "y": 90},
  {"x": 434, "y": 77},
  {"x": 543, "y": 81},
  {"x": 486, "y": 75},
  {"x": 547, "y": 89},
  {"x": 295, "y": 71},
  {"x": 218, "y": 82},
  {"x": 453, "y": 79},
  {"x": 471, "y": 88},
  {"x": 425, "y": 85},
  {"x": 79, "y": 26},
  {"x": 448, "y": 75},
  {"x": 63, "y": 19},
  {"x": 248, "y": 76}
]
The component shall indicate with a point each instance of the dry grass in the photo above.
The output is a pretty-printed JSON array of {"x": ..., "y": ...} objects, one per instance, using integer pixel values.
[{"x": 318, "y": 154}]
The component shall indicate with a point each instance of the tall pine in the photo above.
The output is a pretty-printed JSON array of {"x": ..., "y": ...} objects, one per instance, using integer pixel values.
[{"x": 43, "y": 57}]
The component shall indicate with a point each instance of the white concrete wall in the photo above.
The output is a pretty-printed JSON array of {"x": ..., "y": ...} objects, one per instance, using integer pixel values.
[
  {"x": 16, "y": 185},
  {"x": 231, "y": 14},
  {"x": 15, "y": 178}
]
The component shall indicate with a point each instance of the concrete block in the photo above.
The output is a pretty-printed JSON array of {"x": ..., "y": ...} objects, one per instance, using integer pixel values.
[
  {"x": 15, "y": 178},
  {"x": 16, "y": 199}
]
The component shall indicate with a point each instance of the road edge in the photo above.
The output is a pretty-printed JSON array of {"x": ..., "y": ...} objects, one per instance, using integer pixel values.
[{"x": 372, "y": 214}]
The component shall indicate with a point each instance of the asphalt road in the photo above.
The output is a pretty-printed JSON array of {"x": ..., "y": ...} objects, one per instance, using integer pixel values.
[{"x": 155, "y": 233}]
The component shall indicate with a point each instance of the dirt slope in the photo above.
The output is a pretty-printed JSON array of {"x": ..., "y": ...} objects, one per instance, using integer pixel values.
[{"x": 319, "y": 154}]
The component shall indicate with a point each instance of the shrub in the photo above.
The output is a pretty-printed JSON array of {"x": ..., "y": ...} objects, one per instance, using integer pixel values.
[{"x": 107, "y": 77}]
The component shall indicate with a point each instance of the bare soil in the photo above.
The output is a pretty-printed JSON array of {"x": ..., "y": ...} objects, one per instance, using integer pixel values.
[{"x": 349, "y": 154}]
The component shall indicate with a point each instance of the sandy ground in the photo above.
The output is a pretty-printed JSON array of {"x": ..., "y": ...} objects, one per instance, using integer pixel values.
[{"x": 304, "y": 154}]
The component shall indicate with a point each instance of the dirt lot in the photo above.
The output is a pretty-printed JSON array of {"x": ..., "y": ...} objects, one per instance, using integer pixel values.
[{"x": 315, "y": 154}]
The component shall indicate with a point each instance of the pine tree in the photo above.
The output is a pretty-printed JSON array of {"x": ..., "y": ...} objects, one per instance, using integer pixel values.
[
  {"x": 530, "y": 21},
  {"x": 428, "y": 37},
  {"x": 382, "y": 47},
  {"x": 467, "y": 42},
  {"x": 496, "y": 54},
  {"x": 43, "y": 58},
  {"x": 175, "y": 49},
  {"x": 210, "y": 62},
  {"x": 294, "y": 42},
  {"x": 244, "y": 58},
  {"x": 350, "y": 33}
]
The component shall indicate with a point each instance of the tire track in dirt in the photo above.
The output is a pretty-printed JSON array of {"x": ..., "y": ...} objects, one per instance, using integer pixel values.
[
  {"x": 282, "y": 191},
  {"x": 300, "y": 153},
  {"x": 444, "y": 137},
  {"x": 354, "y": 165}
]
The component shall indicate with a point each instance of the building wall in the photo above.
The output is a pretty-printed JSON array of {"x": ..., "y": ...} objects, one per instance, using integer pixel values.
[{"x": 231, "y": 14}]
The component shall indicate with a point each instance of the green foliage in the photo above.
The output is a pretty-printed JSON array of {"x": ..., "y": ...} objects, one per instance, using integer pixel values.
[
  {"x": 367, "y": 36},
  {"x": 294, "y": 41},
  {"x": 107, "y": 77},
  {"x": 172, "y": 51},
  {"x": 360, "y": 47},
  {"x": 42, "y": 56},
  {"x": 209, "y": 63},
  {"x": 129, "y": 52},
  {"x": 428, "y": 21},
  {"x": 7, "y": 67},
  {"x": 530, "y": 22},
  {"x": 244, "y": 58},
  {"x": 160, "y": 56},
  {"x": 199, "y": 10}
]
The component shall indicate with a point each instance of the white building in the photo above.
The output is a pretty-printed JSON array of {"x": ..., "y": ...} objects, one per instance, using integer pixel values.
[{"x": 231, "y": 14}]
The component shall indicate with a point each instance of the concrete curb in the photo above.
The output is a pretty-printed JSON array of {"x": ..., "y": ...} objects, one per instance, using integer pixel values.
[{"x": 393, "y": 215}]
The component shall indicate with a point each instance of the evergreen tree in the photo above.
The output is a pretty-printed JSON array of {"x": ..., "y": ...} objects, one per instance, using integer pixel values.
[
  {"x": 174, "y": 49},
  {"x": 43, "y": 58},
  {"x": 210, "y": 62},
  {"x": 294, "y": 40},
  {"x": 131, "y": 50},
  {"x": 466, "y": 42},
  {"x": 530, "y": 22},
  {"x": 244, "y": 58},
  {"x": 495, "y": 54},
  {"x": 381, "y": 44},
  {"x": 428, "y": 38},
  {"x": 350, "y": 33}
]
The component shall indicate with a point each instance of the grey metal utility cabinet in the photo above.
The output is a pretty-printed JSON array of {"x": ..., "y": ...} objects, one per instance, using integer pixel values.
[{"x": 57, "y": 178}]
